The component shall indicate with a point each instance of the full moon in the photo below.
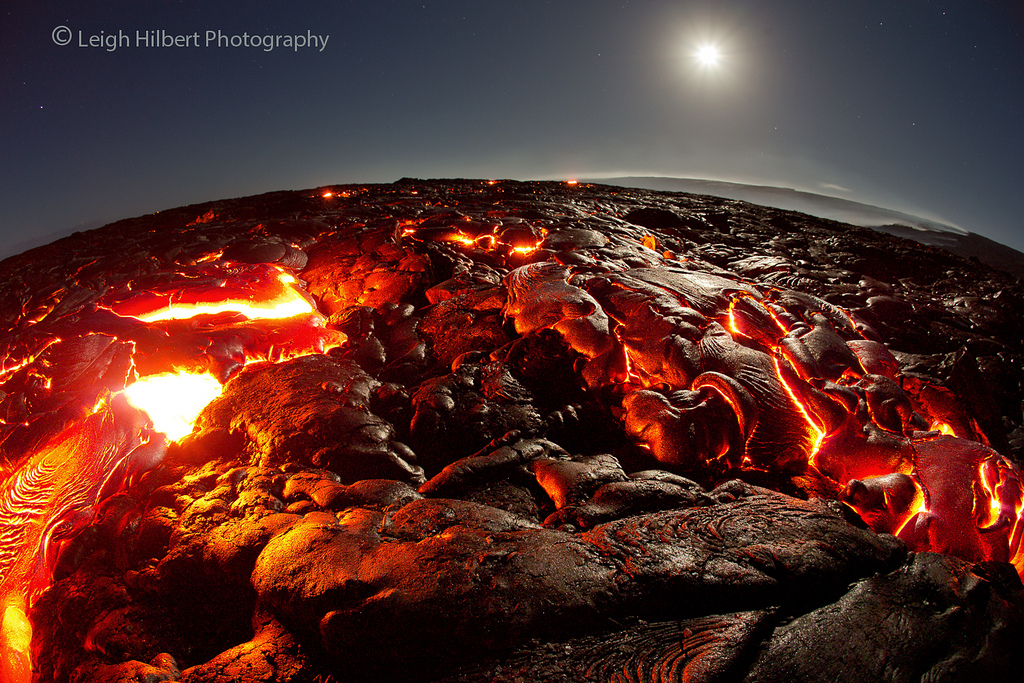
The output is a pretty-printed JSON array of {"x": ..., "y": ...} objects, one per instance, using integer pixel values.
[{"x": 707, "y": 55}]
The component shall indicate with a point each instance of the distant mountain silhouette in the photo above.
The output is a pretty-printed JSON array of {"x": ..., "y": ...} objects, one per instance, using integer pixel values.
[{"x": 922, "y": 230}]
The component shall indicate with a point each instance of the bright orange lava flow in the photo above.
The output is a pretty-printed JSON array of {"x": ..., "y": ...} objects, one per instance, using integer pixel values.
[
  {"x": 173, "y": 400},
  {"x": 47, "y": 502},
  {"x": 732, "y": 324},
  {"x": 733, "y": 327},
  {"x": 53, "y": 496},
  {"x": 15, "y": 639},
  {"x": 282, "y": 299}
]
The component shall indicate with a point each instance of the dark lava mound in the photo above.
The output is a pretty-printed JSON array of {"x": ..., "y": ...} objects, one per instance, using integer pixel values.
[{"x": 502, "y": 431}]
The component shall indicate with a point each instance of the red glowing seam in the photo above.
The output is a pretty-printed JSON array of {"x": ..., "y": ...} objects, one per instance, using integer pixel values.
[
  {"x": 988, "y": 515},
  {"x": 4, "y": 371},
  {"x": 921, "y": 506},
  {"x": 631, "y": 376},
  {"x": 818, "y": 431},
  {"x": 464, "y": 239},
  {"x": 853, "y": 323},
  {"x": 736, "y": 412},
  {"x": 733, "y": 328},
  {"x": 209, "y": 258},
  {"x": 775, "y": 318}
]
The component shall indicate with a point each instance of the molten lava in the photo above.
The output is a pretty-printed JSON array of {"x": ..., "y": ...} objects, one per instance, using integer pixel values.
[
  {"x": 53, "y": 496},
  {"x": 15, "y": 639},
  {"x": 259, "y": 293},
  {"x": 173, "y": 400},
  {"x": 713, "y": 376}
]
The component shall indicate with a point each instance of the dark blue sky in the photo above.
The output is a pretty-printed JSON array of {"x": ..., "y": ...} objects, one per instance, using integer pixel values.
[{"x": 907, "y": 104}]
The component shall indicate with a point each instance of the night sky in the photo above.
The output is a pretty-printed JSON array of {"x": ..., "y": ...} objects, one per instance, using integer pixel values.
[{"x": 907, "y": 104}]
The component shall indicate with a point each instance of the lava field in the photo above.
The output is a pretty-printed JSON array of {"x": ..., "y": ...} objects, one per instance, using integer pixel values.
[{"x": 472, "y": 431}]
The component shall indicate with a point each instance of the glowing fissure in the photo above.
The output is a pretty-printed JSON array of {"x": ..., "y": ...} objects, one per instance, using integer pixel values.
[
  {"x": 6, "y": 370},
  {"x": 487, "y": 241},
  {"x": 632, "y": 376},
  {"x": 986, "y": 503},
  {"x": 817, "y": 432}
]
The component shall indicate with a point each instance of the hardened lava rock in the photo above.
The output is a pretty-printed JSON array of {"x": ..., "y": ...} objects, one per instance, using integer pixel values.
[{"x": 535, "y": 432}]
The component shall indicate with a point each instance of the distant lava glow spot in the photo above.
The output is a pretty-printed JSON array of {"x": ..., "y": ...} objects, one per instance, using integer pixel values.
[{"x": 173, "y": 400}]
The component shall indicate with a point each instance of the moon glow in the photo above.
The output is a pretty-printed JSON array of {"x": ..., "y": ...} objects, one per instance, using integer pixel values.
[{"x": 707, "y": 55}]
